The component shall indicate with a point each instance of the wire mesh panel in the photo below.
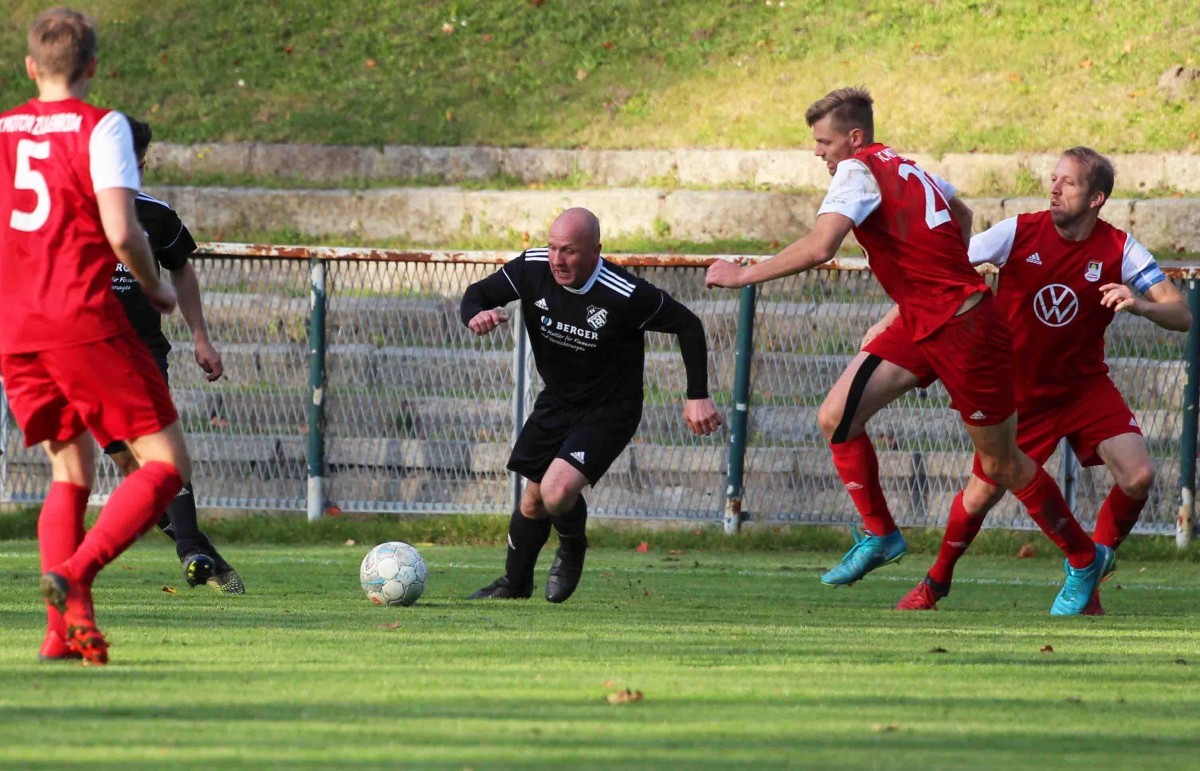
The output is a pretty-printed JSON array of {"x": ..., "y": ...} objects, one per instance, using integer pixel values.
[{"x": 420, "y": 414}]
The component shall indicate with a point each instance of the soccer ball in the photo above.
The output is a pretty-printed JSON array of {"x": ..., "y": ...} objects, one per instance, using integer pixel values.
[{"x": 393, "y": 574}]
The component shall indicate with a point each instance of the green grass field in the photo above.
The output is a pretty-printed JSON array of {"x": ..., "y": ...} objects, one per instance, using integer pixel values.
[
  {"x": 743, "y": 660},
  {"x": 955, "y": 75}
]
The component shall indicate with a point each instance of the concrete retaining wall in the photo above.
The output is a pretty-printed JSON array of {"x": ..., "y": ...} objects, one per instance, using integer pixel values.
[
  {"x": 432, "y": 215},
  {"x": 973, "y": 173}
]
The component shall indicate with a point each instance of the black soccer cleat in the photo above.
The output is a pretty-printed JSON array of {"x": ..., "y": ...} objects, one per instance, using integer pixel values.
[
  {"x": 501, "y": 589},
  {"x": 565, "y": 573},
  {"x": 197, "y": 569}
]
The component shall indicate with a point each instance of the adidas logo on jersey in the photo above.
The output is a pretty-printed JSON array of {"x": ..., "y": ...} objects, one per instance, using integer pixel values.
[
  {"x": 978, "y": 415},
  {"x": 578, "y": 455},
  {"x": 542, "y": 304},
  {"x": 1133, "y": 422},
  {"x": 1034, "y": 259}
]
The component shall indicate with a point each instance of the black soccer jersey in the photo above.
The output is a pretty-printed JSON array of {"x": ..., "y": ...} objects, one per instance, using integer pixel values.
[
  {"x": 589, "y": 343},
  {"x": 171, "y": 244}
]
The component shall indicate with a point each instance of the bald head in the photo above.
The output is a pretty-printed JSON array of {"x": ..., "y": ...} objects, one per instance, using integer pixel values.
[{"x": 574, "y": 245}]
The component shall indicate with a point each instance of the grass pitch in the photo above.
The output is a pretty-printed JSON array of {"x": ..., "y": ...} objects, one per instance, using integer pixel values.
[{"x": 742, "y": 659}]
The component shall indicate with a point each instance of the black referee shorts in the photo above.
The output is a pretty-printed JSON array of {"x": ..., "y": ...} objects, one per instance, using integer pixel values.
[
  {"x": 161, "y": 361},
  {"x": 589, "y": 439}
]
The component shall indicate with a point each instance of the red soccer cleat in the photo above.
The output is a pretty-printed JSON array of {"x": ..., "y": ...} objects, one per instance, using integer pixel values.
[
  {"x": 88, "y": 642},
  {"x": 55, "y": 648},
  {"x": 1093, "y": 608},
  {"x": 924, "y": 596}
]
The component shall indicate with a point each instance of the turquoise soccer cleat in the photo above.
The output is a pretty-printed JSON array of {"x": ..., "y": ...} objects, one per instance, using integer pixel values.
[
  {"x": 1081, "y": 583},
  {"x": 869, "y": 552}
]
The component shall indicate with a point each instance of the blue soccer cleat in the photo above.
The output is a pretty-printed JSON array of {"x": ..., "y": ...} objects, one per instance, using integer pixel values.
[
  {"x": 869, "y": 552},
  {"x": 1081, "y": 583}
]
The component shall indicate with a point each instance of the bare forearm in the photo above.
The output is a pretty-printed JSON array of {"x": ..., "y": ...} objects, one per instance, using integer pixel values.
[
  {"x": 1168, "y": 315},
  {"x": 797, "y": 257},
  {"x": 187, "y": 286}
]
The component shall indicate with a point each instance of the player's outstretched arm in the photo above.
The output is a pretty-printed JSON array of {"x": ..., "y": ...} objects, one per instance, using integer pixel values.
[
  {"x": 1162, "y": 303},
  {"x": 187, "y": 286},
  {"x": 818, "y": 246},
  {"x": 118, "y": 216},
  {"x": 480, "y": 308}
]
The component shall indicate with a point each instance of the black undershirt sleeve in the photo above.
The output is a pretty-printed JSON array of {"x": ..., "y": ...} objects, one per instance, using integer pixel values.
[
  {"x": 492, "y": 292},
  {"x": 673, "y": 317}
]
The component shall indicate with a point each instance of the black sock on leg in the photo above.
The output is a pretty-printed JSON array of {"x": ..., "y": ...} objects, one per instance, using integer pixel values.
[
  {"x": 526, "y": 537},
  {"x": 572, "y": 527},
  {"x": 181, "y": 512}
]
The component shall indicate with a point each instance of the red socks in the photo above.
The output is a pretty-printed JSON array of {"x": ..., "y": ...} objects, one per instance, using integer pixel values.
[
  {"x": 60, "y": 531},
  {"x": 961, "y": 529},
  {"x": 133, "y": 507},
  {"x": 1049, "y": 510},
  {"x": 1118, "y": 514},
  {"x": 859, "y": 469}
]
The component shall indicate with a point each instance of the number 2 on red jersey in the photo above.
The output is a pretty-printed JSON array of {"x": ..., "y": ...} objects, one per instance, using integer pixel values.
[
  {"x": 933, "y": 215},
  {"x": 27, "y": 178}
]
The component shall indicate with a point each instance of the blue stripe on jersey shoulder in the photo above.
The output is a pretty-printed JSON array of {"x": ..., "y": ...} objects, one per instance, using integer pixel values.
[{"x": 1148, "y": 277}]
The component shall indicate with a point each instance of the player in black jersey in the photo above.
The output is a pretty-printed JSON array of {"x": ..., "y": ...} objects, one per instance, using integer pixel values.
[
  {"x": 586, "y": 320},
  {"x": 172, "y": 244}
]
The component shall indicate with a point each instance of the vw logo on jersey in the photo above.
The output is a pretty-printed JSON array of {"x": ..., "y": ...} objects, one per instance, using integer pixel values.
[
  {"x": 1055, "y": 305},
  {"x": 596, "y": 317}
]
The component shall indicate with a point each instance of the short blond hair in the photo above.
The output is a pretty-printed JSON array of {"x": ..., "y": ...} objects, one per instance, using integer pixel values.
[
  {"x": 62, "y": 43},
  {"x": 848, "y": 108}
]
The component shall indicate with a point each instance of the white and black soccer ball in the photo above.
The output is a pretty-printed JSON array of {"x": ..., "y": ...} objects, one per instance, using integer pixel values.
[{"x": 393, "y": 573}]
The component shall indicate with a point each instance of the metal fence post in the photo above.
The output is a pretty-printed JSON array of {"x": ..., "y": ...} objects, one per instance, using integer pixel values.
[
  {"x": 1184, "y": 522},
  {"x": 520, "y": 386},
  {"x": 316, "y": 387},
  {"x": 1069, "y": 474},
  {"x": 739, "y": 419}
]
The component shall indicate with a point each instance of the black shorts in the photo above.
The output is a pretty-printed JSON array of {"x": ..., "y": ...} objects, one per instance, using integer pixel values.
[
  {"x": 589, "y": 439},
  {"x": 161, "y": 361}
]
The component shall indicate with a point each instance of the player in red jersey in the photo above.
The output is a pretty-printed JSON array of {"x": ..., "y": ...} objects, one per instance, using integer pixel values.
[
  {"x": 1065, "y": 274},
  {"x": 905, "y": 221},
  {"x": 71, "y": 361}
]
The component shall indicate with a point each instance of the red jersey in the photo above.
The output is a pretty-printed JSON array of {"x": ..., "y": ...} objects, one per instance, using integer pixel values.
[
  {"x": 1049, "y": 296},
  {"x": 56, "y": 265},
  {"x": 913, "y": 243}
]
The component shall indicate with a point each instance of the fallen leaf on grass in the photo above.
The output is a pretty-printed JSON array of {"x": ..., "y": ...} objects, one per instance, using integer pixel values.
[
  {"x": 1047, "y": 649},
  {"x": 393, "y": 625},
  {"x": 606, "y": 574},
  {"x": 676, "y": 552},
  {"x": 1026, "y": 552},
  {"x": 1142, "y": 570},
  {"x": 623, "y": 697},
  {"x": 170, "y": 590},
  {"x": 642, "y": 547},
  {"x": 1074, "y": 700},
  {"x": 127, "y": 567},
  {"x": 609, "y": 683},
  {"x": 350, "y": 542},
  {"x": 880, "y": 728},
  {"x": 939, "y": 649}
]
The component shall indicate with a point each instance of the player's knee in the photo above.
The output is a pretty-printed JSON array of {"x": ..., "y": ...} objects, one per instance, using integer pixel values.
[
  {"x": 979, "y": 499},
  {"x": 1137, "y": 483},
  {"x": 559, "y": 498},
  {"x": 532, "y": 507},
  {"x": 829, "y": 417}
]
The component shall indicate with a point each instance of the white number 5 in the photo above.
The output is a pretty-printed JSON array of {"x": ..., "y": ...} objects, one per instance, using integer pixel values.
[
  {"x": 933, "y": 215},
  {"x": 28, "y": 179}
]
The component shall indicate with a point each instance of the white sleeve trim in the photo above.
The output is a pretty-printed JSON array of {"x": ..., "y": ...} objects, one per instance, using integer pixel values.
[
  {"x": 110, "y": 149},
  {"x": 995, "y": 244},
  {"x": 854, "y": 192},
  {"x": 1135, "y": 258}
]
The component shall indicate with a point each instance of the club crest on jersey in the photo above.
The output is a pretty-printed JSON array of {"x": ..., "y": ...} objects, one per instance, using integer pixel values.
[
  {"x": 1093, "y": 270},
  {"x": 596, "y": 317},
  {"x": 1055, "y": 305}
]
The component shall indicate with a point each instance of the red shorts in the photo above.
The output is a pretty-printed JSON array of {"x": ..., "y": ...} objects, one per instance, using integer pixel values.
[
  {"x": 110, "y": 387},
  {"x": 1097, "y": 412},
  {"x": 971, "y": 354}
]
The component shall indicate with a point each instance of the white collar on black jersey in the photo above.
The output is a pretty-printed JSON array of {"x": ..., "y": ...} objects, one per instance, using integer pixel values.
[{"x": 588, "y": 285}]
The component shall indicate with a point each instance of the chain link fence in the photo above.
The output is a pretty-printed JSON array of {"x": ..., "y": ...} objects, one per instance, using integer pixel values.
[{"x": 419, "y": 414}]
